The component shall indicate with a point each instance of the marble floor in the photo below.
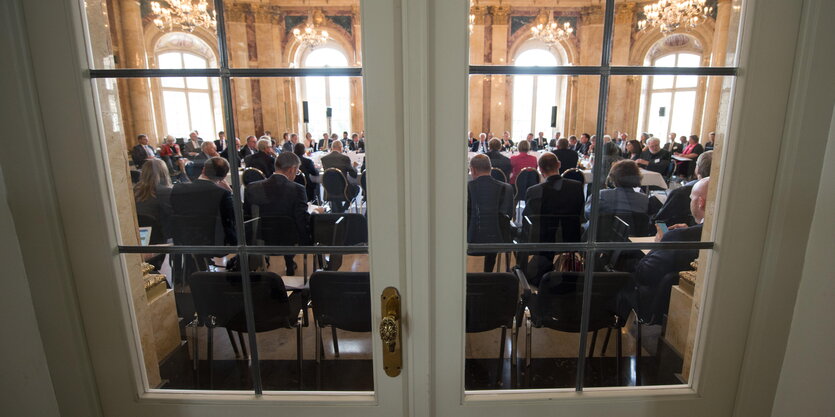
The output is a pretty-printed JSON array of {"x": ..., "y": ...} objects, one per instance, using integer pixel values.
[{"x": 553, "y": 356}]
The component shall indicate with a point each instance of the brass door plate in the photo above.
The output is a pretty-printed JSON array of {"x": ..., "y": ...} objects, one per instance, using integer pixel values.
[{"x": 390, "y": 331}]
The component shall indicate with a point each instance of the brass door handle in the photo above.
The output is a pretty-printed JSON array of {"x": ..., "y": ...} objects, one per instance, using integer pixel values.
[{"x": 390, "y": 331}]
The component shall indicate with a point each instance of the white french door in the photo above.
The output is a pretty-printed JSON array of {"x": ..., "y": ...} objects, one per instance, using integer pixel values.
[{"x": 415, "y": 73}]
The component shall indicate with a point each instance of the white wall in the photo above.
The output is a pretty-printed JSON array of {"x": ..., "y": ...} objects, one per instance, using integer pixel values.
[
  {"x": 807, "y": 379},
  {"x": 25, "y": 385}
]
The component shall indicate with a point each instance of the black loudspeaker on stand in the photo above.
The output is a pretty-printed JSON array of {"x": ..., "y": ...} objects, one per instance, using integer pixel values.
[
  {"x": 554, "y": 116},
  {"x": 305, "y": 115}
]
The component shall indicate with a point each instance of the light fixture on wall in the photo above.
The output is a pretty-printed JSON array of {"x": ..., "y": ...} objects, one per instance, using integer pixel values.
[
  {"x": 669, "y": 15},
  {"x": 185, "y": 15},
  {"x": 548, "y": 31},
  {"x": 311, "y": 36}
]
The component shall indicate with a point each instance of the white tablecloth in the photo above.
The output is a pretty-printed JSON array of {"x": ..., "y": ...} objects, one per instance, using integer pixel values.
[
  {"x": 648, "y": 178},
  {"x": 355, "y": 157}
]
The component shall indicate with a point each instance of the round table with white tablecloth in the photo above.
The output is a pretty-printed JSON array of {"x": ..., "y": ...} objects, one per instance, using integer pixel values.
[{"x": 316, "y": 157}]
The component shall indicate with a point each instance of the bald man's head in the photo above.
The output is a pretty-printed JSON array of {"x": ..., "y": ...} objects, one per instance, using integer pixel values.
[{"x": 698, "y": 199}]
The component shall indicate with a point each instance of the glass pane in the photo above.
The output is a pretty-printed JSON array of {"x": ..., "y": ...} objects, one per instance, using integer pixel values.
[
  {"x": 289, "y": 201},
  {"x": 711, "y": 41},
  {"x": 657, "y": 299},
  {"x": 171, "y": 60},
  {"x": 265, "y": 35},
  {"x": 190, "y": 321},
  {"x": 662, "y": 81},
  {"x": 667, "y": 170},
  {"x": 157, "y": 181},
  {"x": 501, "y": 34},
  {"x": 135, "y": 34}
]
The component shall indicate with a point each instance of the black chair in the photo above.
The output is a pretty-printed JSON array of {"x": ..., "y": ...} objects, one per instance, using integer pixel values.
[
  {"x": 651, "y": 306},
  {"x": 574, "y": 174},
  {"x": 338, "y": 191},
  {"x": 493, "y": 301},
  {"x": 134, "y": 176},
  {"x": 337, "y": 229},
  {"x": 558, "y": 303},
  {"x": 275, "y": 231},
  {"x": 251, "y": 175},
  {"x": 219, "y": 302},
  {"x": 498, "y": 175},
  {"x": 341, "y": 300},
  {"x": 527, "y": 178}
]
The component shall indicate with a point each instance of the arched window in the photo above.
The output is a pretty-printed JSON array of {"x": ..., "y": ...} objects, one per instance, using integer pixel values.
[
  {"x": 669, "y": 101},
  {"x": 322, "y": 93},
  {"x": 188, "y": 103},
  {"x": 534, "y": 95}
]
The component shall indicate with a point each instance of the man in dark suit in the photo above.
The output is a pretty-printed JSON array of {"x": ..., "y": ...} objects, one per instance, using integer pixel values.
[
  {"x": 497, "y": 160},
  {"x": 653, "y": 267},
  {"x": 541, "y": 140},
  {"x": 264, "y": 159},
  {"x": 308, "y": 170},
  {"x": 142, "y": 151},
  {"x": 480, "y": 145},
  {"x": 568, "y": 158},
  {"x": 654, "y": 158},
  {"x": 336, "y": 159},
  {"x": 251, "y": 147},
  {"x": 573, "y": 144},
  {"x": 677, "y": 207},
  {"x": 489, "y": 208},
  {"x": 220, "y": 142},
  {"x": 533, "y": 143},
  {"x": 324, "y": 143},
  {"x": 280, "y": 202},
  {"x": 584, "y": 145},
  {"x": 556, "y": 204},
  {"x": 225, "y": 153},
  {"x": 207, "y": 201},
  {"x": 293, "y": 139}
]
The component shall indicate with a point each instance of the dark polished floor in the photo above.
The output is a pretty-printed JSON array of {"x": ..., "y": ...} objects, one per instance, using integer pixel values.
[{"x": 357, "y": 374}]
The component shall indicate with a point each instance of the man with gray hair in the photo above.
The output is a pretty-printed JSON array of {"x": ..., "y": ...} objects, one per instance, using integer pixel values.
[
  {"x": 336, "y": 159},
  {"x": 654, "y": 158},
  {"x": 264, "y": 159},
  {"x": 677, "y": 207},
  {"x": 652, "y": 269},
  {"x": 279, "y": 202},
  {"x": 489, "y": 208}
]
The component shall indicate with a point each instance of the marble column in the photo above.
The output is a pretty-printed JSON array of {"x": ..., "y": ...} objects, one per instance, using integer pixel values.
[
  {"x": 590, "y": 34},
  {"x": 498, "y": 56},
  {"x": 476, "y": 96},
  {"x": 357, "y": 114},
  {"x": 269, "y": 56},
  {"x": 139, "y": 91},
  {"x": 239, "y": 58},
  {"x": 714, "y": 85},
  {"x": 619, "y": 108}
]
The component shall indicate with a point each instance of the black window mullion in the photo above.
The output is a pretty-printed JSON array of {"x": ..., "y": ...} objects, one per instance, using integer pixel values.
[
  {"x": 597, "y": 179},
  {"x": 243, "y": 258}
]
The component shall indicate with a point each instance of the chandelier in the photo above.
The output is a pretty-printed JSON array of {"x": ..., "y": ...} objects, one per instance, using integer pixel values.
[
  {"x": 311, "y": 36},
  {"x": 669, "y": 15},
  {"x": 549, "y": 31},
  {"x": 183, "y": 14}
]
